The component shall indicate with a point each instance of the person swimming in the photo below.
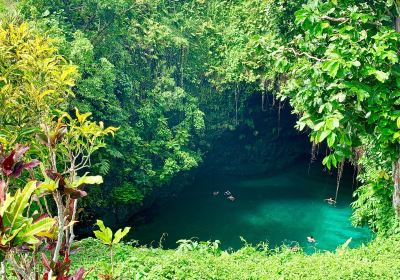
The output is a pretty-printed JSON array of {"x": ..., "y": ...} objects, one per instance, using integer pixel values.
[
  {"x": 231, "y": 198},
  {"x": 311, "y": 239},
  {"x": 215, "y": 193},
  {"x": 295, "y": 248},
  {"x": 330, "y": 201},
  {"x": 227, "y": 193}
]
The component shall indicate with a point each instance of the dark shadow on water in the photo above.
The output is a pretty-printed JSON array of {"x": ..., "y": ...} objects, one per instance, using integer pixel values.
[{"x": 286, "y": 207}]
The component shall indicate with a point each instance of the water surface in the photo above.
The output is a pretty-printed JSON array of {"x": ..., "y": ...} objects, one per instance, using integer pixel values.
[{"x": 278, "y": 209}]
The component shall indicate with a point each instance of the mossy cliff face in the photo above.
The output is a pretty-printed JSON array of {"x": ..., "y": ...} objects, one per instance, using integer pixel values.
[{"x": 264, "y": 143}]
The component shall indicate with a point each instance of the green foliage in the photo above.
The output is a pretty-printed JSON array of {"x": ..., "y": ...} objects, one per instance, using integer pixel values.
[
  {"x": 342, "y": 73},
  {"x": 34, "y": 81},
  {"x": 34, "y": 85},
  {"x": 105, "y": 234},
  {"x": 126, "y": 194},
  {"x": 173, "y": 74},
  {"x": 337, "y": 64},
  {"x": 377, "y": 260},
  {"x": 373, "y": 206},
  {"x": 131, "y": 56},
  {"x": 169, "y": 74},
  {"x": 341, "y": 78},
  {"x": 2, "y": 6},
  {"x": 201, "y": 246},
  {"x": 16, "y": 227}
]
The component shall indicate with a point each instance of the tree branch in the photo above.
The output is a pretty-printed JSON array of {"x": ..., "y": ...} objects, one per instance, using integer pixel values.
[
  {"x": 61, "y": 223},
  {"x": 342, "y": 20},
  {"x": 305, "y": 54}
]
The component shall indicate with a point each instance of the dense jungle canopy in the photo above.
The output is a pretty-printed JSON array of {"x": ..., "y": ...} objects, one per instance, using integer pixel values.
[
  {"x": 168, "y": 78},
  {"x": 173, "y": 75}
]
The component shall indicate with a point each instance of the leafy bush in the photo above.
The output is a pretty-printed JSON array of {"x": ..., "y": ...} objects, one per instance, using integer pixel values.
[
  {"x": 34, "y": 84},
  {"x": 377, "y": 260}
]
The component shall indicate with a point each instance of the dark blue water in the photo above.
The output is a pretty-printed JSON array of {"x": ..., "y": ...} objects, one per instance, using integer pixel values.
[{"x": 278, "y": 209}]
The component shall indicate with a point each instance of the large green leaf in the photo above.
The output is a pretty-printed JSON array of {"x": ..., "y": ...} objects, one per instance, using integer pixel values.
[
  {"x": 120, "y": 234},
  {"x": 21, "y": 200},
  {"x": 381, "y": 76},
  {"x": 35, "y": 229},
  {"x": 87, "y": 180},
  {"x": 11, "y": 235},
  {"x": 47, "y": 186},
  {"x": 331, "y": 67},
  {"x": 9, "y": 200},
  {"x": 104, "y": 234}
]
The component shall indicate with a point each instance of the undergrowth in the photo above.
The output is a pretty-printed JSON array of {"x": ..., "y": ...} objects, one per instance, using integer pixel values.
[{"x": 377, "y": 260}]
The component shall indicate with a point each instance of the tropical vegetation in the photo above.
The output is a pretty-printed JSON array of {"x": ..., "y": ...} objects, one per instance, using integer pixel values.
[{"x": 136, "y": 92}]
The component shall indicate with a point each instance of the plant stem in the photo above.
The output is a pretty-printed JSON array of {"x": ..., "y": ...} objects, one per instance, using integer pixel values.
[
  {"x": 112, "y": 261},
  {"x": 3, "y": 270},
  {"x": 396, "y": 164},
  {"x": 72, "y": 236},
  {"x": 61, "y": 222},
  {"x": 396, "y": 193}
]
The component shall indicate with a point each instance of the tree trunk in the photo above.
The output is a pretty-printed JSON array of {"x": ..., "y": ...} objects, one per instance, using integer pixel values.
[
  {"x": 3, "y": 270},
  {"x": 396, "y": 164},
  {"x": 396, "y": 193},
  {"x": 398, "y": 24},
  {"x": 61, "y": 223},
  {"x": 72, "y": 232}
]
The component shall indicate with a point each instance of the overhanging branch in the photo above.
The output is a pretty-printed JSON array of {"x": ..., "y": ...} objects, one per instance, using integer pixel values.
[
  {"x": 342, "y": 19},
  {"x": 297, "y": 53}
]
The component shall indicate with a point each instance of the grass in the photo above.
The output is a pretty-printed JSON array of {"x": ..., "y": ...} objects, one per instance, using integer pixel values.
[
  {"x": 378, "y": 260},
  {"x": 7, "y": 5},
  {"x": 2, "y": 6}
]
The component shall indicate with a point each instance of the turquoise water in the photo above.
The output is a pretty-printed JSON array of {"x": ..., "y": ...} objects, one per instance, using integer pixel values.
[{"x": 278, "y": 209}]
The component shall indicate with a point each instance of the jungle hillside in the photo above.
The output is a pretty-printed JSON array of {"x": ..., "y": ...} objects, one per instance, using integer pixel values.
[{"x": 199, "y": 139}]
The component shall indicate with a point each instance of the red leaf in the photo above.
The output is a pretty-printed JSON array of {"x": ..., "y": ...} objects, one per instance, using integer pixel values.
[
  {"x": 65, "y": 265},
  {"x": 8, "y": 164},
  {"x": 70, "y": 209},
  {"x": 45, "y": 262},
  {"x": 79, "y": 274},
  {"x": 20, "y": 166},
  {"x": 19, "y": 152},
  {"x": 17, "y": 170},
  {"x": 31, "y": 164},
  {"x": 66, "y": 257},
  {"x": 74, "y": 193},
  {"x": 56, "y": 176},
  {"x": 52, "y": 175},
  {"x": 1, "y": 227}
]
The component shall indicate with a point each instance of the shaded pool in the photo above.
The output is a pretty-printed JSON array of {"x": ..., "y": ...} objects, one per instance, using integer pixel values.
[{"x": 278, "y": 209}]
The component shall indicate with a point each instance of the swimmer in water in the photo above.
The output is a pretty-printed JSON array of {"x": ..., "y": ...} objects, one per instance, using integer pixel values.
[
  {"x": 295, "y": 248},
  {"x": 311, "y": 239},
  {"x": 215, "y": 193},
  {"x": 228, "y": 193},
  {"x": 330, "y": 201},
  {"x": 231, "y": 198}
]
